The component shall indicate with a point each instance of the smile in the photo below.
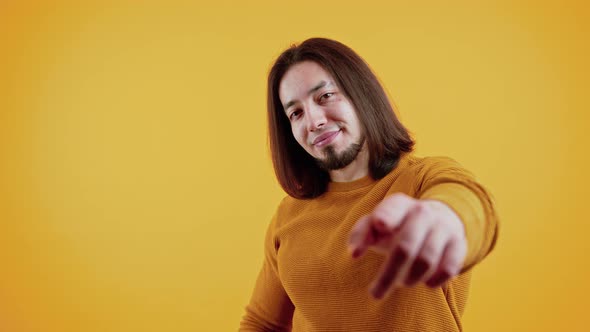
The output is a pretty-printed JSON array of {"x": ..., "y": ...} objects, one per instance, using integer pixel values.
[{"x": 325, "y": 139}]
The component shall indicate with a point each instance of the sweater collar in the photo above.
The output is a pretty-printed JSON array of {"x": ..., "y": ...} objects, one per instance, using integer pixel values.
[
  {"x": 366, "y": 180},
  {"x": 352, "y": 185}
]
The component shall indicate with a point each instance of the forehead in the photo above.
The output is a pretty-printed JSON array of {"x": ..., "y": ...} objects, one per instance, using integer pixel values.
[{"x": 300, "y": 78}]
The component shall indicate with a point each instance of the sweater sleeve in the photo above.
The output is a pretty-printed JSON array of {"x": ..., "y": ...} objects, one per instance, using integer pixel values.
[
  {"x": 446, "y": 180},
  {"x": 270, "y": 308}
]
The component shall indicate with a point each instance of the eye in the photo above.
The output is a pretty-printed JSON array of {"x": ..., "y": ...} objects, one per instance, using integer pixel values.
[
  {"x": 326, "y": 95},
  {"x": 295, "y": 114}
]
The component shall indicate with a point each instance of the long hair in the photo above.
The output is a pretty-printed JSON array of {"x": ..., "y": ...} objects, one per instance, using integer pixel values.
[{"x": 386, "y": 138}]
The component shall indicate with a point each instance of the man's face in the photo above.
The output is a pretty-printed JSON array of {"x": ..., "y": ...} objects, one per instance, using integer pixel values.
[{"x": 323, "y": 120}]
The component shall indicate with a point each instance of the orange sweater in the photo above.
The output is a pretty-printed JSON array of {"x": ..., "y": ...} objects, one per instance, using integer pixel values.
[{"x": 309, "y": 282}]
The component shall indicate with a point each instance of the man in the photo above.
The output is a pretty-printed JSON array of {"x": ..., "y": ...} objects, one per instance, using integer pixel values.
[{"x": 370, "y": 237}]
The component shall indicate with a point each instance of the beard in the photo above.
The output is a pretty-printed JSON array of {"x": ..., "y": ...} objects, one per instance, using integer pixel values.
[{"x": 334, "y": 161}]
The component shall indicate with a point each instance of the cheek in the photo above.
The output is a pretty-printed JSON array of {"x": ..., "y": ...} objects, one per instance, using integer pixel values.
[{"x": 298, "y": 134}]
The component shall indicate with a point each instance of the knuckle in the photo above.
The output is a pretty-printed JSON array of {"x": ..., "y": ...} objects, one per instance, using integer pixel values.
[
  {"x": 422, "y": 213},
  {"x": 413, "y": 238},
  {"x": 420, "y": 207},
  {"x": 408, "y": 242},
  {"x": 398, "y": 199},
  {"x": 445, "y": 235},
  {"x": 382, "y": 213},
  {"x": 430, "y": 251},
  {"x": 398, "y": 196}
]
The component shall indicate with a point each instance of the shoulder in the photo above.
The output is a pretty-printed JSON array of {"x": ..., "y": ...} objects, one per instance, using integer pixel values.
[
  {"x": 288, "y": 207},
  {"x": 419, "y": 173},
  {"x": 425, "y": 167},
  {"x": 421, "y": 164}
]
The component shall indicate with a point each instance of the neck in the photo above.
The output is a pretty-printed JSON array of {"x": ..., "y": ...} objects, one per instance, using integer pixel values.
[{"x": 355, "y": 170}]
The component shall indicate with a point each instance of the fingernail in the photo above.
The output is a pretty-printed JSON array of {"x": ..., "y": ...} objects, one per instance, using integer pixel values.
[
  {"x": 417, "y": 270},
  {"x": 356, "y": 251},
  {"x": 377, "y": 292},
  {"x": 437, "y": 280}
]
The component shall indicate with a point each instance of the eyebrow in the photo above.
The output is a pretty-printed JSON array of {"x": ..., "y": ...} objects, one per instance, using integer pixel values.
[{"x": 311, "y": 91}]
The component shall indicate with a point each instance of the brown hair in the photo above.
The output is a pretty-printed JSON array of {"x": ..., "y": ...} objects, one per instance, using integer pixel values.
[{"x": 386, "y": 137}]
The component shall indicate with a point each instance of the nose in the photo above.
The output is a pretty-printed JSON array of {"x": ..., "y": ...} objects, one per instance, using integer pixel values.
[{"x": 316, "y": 118}]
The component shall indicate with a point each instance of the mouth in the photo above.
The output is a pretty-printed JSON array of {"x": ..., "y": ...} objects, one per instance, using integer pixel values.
[{"x": 325, "y": 139}]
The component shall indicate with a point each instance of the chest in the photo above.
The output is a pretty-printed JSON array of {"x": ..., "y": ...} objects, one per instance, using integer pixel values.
[{"x": 313, "y": 257}]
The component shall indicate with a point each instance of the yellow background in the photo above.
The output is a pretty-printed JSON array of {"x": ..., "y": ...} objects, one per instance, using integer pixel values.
[{"x": 135, "y": 181}]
